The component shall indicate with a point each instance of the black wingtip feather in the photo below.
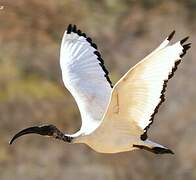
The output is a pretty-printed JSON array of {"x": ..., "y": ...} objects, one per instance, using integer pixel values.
[
  {"x": 83, "y": 34},
  {"x": 171, "y": 35},
  {"x": 69, "y": 29},
  {"x": 94, "y": 45},
  {"x": 185, "y": 48},
  {"x": 98, "y": 54},
  {"x": 101, "y": 60},
  {"x": 89, "y": 40},
  {"x": 159, "y": 150},
  {"x": 144, "y": 136},
  {"x": 184, "y": 40},
  {"x": 155, "y": 150},
  {"x": 73, "y": 28},
  {"x": 79, "y": 32}
]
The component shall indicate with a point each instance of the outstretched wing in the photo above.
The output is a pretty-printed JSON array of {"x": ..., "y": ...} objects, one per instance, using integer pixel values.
[
  {"x": 138, "y": 94},
  {"x": 85, "y": 76}
]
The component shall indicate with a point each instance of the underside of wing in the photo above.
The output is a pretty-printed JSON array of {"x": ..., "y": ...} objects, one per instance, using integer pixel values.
[
  {"x": 139, "y": 93},
  {"x": 85, "y": 76}
]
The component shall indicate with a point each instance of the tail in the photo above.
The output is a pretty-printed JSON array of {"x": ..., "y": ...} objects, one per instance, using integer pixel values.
[{"x": 153, "y": 147}]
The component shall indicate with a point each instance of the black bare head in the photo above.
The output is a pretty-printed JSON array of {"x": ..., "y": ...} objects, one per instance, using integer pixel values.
[{"x": 45, "y": 130}]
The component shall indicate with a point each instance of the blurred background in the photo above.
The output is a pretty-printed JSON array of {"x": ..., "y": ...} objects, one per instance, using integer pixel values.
[{"x": 32, "y": 91}]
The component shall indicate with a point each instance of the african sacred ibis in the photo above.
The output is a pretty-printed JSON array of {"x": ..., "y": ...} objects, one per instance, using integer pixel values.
[{"x": 114, "y": 119}]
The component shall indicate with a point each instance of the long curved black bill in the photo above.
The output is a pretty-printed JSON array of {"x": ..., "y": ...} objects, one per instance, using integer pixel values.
[{"x": 46, "y": 130}]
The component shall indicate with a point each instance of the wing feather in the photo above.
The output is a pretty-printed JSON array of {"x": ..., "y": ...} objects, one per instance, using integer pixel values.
[
  {"x": 138, "y": 94},
  {"x": 85, "y": 76}
]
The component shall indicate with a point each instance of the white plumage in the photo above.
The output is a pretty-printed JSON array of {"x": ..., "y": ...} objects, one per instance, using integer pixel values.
[
  {"x": 84, "y": 77},
  {"x": 113, "y": 119}
]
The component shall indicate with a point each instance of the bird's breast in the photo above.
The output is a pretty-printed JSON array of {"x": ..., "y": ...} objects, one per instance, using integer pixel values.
[{"x": 110, "y": 142}]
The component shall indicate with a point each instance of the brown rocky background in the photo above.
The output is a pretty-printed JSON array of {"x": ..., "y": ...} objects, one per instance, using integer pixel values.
[{"x": 32, "y": 92}]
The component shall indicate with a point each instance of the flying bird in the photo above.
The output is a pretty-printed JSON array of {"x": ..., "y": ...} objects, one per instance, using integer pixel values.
[{"x": 114, "y": 118}]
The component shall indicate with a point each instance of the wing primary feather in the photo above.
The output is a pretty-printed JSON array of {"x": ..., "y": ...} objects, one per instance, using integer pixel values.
[
  {"x": 83, "y": 34},
  {"x": 89, "y": 40},
  {"x": 101, "y": 60},
  {"x": 183, "y": 40},
  {"x": 144, "y": 136},
  {"x": 97, "y": 53},
  {"x": 79, "y": 32},
  {"x": 185, "y": 48},
  {"x": 73, "y": 28},
  {"x": 104, "y": 69},
  {"x": 171, "y": 35},
  {"x": 69, "y": 29},
  {"x": 85, "y": 76},
  {"x": 94, "y": 45}
]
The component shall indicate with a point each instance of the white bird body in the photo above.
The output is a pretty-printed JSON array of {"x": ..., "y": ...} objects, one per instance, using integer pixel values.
[
  {"x": 114, "y": 119},
  {"x": 123, "y": 122}
]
